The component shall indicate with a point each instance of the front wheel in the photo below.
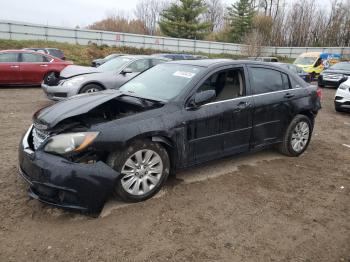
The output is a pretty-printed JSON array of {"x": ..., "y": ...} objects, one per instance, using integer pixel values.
[
  {"x": 297, "y": 136},
  {"x": 143, "y": 167},
  {"x": 92, "y": 88}
]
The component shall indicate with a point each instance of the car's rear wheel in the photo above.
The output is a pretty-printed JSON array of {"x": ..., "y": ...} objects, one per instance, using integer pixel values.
[
  {"x": 143, "y": 167},
  {"x": 297, "y": 136},
  {"x": 91, "y": 88}
]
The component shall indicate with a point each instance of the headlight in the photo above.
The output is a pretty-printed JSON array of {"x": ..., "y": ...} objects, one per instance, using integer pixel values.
[
  {"x": 343, "y": 87},
  {"x": 73, "y": 81},
  {"x": 70, "y": 142}
]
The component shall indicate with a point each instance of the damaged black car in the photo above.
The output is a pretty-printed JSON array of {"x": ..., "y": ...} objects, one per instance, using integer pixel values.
[{"x": 125, "y": 142}]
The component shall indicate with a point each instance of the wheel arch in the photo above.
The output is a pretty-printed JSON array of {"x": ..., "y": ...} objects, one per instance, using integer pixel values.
[{"x": 92, "y": 83}]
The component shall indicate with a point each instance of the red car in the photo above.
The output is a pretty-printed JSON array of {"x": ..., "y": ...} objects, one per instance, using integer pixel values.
[{"x": 22, "y": 67}]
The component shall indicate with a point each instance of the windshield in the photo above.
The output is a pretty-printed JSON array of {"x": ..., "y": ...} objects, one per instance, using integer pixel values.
[
  {"x": 162, "y": 82},
  {"x": 341, "y": 66},
  {"x": 114, "y": 64},
  {"x": 305, "y": 60}
]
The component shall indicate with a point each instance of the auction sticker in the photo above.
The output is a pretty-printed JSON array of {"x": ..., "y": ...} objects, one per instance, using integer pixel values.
[{"x": 184, "y": 74}]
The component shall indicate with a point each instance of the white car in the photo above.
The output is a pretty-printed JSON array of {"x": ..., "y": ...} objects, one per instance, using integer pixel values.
[{"x": 342, "y": 97}]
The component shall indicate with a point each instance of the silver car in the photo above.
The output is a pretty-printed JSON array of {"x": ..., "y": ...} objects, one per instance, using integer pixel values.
[{"x": 75, "y": 80}]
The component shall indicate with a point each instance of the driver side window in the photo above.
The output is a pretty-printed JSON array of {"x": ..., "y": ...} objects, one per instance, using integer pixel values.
[
  {"x": 139, "y": 65},
  {"x": 227, "y": 84}
]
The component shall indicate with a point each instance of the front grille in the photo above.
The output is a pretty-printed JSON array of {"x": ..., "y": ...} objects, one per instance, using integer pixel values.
[{"x": 39, "y": 137}]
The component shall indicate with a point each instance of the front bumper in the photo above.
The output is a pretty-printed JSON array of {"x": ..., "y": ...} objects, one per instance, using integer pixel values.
[
  {"x": 342, "y": 99},
  {"x": 59, "y": 92},
  {"x": 55, "y": 180},
  {"x": 330, "y": 82}
]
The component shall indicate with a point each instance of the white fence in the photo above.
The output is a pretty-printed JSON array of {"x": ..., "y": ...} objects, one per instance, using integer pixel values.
[{"x": 27, "y": 31}]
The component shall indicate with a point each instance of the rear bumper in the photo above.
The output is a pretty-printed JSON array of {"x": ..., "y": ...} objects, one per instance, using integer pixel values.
[{"x": 55, "y": 180}]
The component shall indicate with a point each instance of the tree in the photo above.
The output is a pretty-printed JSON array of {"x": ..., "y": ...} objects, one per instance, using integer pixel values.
[
  {"x": 147, "y": 11},
  {"x": 240, "y": 16},
  {"x": 214, "y": 14},
  {"x": 183, "y": 20}
]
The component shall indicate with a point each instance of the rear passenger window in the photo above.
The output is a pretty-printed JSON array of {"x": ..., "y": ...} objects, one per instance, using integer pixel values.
[
  {"x": 33, "y": 58},
  {"x": 266, "y": 80},
  {"x": 8, "y": 57}
]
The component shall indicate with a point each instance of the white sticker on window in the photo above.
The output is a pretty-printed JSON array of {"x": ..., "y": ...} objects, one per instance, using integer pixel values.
[{"x": 184, "y": 74}]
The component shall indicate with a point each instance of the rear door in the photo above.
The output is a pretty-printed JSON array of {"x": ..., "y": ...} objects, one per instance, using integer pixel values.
[
  {"x": 273, "y": 107},
  {"x": 34, "y": 67},
  {"x": 10, "y": 68}
]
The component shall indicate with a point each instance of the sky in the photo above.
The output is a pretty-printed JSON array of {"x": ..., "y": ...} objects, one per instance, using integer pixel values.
[{"x": 70, "y": 13}]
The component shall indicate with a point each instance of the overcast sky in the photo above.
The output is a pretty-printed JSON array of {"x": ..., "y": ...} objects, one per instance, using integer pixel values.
[{"x": 69, "y": 12}]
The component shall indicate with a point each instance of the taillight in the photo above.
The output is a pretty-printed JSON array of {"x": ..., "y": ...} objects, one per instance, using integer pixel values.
[{"x": 319, "y": 93}]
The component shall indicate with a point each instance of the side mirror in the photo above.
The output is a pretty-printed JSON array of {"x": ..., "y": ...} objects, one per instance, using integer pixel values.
[
  {"x": 126, "y": 71},
  {"x": 203, "y": 98}
]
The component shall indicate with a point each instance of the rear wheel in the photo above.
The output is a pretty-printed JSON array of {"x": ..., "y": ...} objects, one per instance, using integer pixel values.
[
  {"x": 297, "y": 136},
  {"x": 91, "y": 88},
  {"x": 143, "y": 167}
]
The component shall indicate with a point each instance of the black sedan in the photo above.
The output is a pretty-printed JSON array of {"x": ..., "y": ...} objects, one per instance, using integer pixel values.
[
  {"x": 335, "y": 75},
  {"x": 173, "y": 116}
]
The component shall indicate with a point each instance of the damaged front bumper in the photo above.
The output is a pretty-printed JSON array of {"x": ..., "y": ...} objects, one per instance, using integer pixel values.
[{"x": 59, "y": 182}]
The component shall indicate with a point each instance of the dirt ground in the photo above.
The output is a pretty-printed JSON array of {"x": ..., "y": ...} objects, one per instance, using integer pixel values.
[{"x": 258, "y": 207}]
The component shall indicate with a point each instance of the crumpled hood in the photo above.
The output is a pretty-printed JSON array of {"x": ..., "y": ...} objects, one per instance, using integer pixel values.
[
  {"x": 50, "y": 116},
  {"x": 74, "y": 70}
]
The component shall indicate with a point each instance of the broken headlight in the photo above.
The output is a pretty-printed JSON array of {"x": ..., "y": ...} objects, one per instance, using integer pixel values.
[{"x": 70, "y": 142}]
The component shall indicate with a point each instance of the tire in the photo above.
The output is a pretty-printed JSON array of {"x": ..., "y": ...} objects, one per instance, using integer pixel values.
[
  {"x": 51, "y": 78},
  {"x": 140, "y": 183},
  {"x": 338, "y": 109},
  {"x": 91, "y": 88},
  {"x": 293, "y": 136}
]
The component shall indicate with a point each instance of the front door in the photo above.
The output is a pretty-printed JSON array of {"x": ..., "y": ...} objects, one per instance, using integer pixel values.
[{"x": 222, "y": 126}]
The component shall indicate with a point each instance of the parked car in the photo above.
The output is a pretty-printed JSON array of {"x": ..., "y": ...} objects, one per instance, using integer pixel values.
[
  {"x": 75, "y": 80},
  {"x": 263, "y": 59},
  {"x": 342, "y": 97},
  {"x": 173, "y": 116},
  {"x": 22, "y": 67},
  {"x": 335, "y": 75},
  {"x": 315, "y": 62},
  {"x": 100, "y": 61},
  {"x": 298, "y": 70},
  {"x": 49, "y": 51},
  {"x": 177, "y": 56}
]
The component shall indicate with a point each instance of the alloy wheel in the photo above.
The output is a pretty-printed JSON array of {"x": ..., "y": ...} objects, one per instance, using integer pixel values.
[
  {"x": 142, "y": 172},
  {"x": 300, "y": 136}
]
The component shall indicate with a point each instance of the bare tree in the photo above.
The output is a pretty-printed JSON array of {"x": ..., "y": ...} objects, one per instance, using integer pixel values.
[
  {"x": 215, "y": 14},
  {"x": 148, "y": 12}
]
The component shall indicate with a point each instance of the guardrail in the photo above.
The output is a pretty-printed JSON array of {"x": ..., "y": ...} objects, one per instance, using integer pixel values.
[{"x": 28, "y": 31}]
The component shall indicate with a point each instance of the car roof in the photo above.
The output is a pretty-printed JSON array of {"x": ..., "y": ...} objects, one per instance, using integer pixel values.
[{"x": 137, "y": 57}]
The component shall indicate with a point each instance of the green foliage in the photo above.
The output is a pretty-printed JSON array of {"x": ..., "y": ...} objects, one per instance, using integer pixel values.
[
  {"x": 240, "y": 16},
  {"x": 182, "y": 20}
]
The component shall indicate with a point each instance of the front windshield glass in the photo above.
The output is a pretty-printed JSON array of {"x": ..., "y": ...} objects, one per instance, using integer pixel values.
[
  {"x": 305, "y": 60},
  {"x": 114, "y": 64},
  {"x": 162, "y": 82},
  {"x": 341, "y": 66}
]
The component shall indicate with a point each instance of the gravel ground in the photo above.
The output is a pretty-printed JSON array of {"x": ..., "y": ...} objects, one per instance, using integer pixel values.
[{"x": 259, "y": 207}]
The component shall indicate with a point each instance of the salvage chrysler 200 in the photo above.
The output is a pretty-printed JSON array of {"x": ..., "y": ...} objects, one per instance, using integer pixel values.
[{"x": 80, "y": 151}]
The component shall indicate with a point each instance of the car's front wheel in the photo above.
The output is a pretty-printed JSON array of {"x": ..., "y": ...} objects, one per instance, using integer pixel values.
[
  {"x": 297, "y": 136},
  {"x": 91, "y": 88},
  {"x": 143, "y": 167}
]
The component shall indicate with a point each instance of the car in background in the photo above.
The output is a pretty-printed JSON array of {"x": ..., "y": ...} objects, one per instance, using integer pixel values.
[
  {"x": 315, "y": 62},
  {"x": 100, "y": 61},
  {"x": 75, "y": 80},
  {"x": 335, "y": 75},
  {"x": 264, "y": 59},
  {"x": 298, "y": 70},
  {"x": 177, "y": 56},
  {"x": 55, "y": 52},
  {"x": 175, "y": 115},
  {"x": 342, "y": 97},
  {"x": 24, "y": 67}
]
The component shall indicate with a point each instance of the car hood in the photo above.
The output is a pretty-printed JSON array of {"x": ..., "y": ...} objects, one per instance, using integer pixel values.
[
  {"x": 74, "y": 70},
  {"x": 334, "y": 71},
  {"x": 48, "y": 117}
]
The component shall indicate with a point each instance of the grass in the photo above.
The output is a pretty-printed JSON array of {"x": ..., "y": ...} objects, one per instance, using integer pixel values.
[{"x": 83, "y": 54}]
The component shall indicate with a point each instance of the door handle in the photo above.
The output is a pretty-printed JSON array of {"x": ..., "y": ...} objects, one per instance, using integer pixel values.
[
  {"x": 14, "y": 66},
  {"x": 288, "y": 95},
  {"x": 240, "y": 106},
  {"x": 43, "y": 65}
]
